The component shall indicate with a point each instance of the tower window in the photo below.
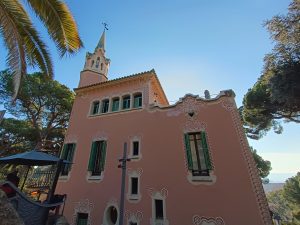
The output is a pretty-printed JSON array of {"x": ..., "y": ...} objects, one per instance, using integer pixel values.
[
  {"x": 97, "y": 62},
  {"x": 137, "y": 100},
  {"x": 126, "y": 102},
  {"x": 115, "y": 104},
  {"x": 105, "y": 106},
  {"x": 95, "y": 107},
  {"x": 101, "y": 66},
  {"x": 92, "y": 63}
]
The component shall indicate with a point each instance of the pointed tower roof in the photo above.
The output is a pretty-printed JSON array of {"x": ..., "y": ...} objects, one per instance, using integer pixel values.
[{"x": 101, "y": 43}]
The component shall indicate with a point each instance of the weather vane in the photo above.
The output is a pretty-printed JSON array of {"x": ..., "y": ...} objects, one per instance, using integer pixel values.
[{"x": 105, "y": 26}]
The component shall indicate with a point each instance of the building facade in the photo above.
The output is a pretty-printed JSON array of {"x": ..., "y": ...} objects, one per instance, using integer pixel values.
[{"x": 189, "y": 162}]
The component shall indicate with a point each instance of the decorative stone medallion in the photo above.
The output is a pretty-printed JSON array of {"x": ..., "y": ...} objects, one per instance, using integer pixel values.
[{"x": 197, "y": 220}]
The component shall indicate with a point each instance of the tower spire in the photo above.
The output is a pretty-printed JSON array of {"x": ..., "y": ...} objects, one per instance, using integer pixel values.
[
  {"x": 101, "y": 43},
  {"x": 96, "y": 65}
]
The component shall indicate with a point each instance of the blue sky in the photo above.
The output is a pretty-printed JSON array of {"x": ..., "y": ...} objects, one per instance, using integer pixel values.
[{"x": 193, "y": 45}]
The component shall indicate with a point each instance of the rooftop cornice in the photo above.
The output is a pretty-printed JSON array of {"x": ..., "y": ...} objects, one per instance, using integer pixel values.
[
  {"x": 225, "y": 93},
  {"x": 145, "y": 74}
]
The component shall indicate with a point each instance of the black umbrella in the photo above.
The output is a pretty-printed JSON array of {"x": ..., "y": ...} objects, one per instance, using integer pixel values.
[
  {"x": 36, "y": 158},
  {"x": 31, "y": 158}
]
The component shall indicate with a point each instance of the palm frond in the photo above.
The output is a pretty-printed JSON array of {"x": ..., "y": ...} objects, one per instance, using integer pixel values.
[
  {"x": 60, "y": 23},
  {"x": 9, "y": 28}
]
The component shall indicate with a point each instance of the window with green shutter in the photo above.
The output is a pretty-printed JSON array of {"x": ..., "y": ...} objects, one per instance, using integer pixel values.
[
  {"x": 197, "y": 153},
  {"x": 97, "y": 158},
  {"x": 137, "y": 100},
  {"x": 67, "y": 154}
]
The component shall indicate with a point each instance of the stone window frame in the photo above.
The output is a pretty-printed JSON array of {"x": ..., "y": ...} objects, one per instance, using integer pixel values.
[
  {"x": 134, "y": 198},
  {"x": 139, "y": 156},
  {"x": 92, "y": 107},
  {"x": 158, "y": 196},
  {"x": 133, "y": 100},
  {"x": 105, "y": 219}
]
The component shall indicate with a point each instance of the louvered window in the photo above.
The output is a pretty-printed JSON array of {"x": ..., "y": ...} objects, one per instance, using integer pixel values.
[
  {"x": 197, "y": 153},
  {"x": 97, "y": 158}
]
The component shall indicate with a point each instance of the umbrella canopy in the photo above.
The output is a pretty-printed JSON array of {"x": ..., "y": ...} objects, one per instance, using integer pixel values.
[{"x": 31, "y": 158}]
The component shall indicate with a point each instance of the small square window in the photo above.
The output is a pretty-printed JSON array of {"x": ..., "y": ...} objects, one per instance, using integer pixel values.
[
  {"x": 132, "y": 223},
  {"x": 136, "y": 148},
  {"x": 159, "y": 209},
  {"x": 134, "y": 185},
  {"x": 82, "y": 219}
]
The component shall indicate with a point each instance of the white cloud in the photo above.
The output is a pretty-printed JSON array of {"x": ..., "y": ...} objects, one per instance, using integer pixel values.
[{"x": 283, "y": 162}]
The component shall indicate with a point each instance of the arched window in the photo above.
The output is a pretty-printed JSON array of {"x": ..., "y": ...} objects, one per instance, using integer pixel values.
[
  {"x": 126, "y": 102},
  {"x": 101, "y": 67},
  {"x": 95, "y": 107},
  {"x": 92, "y": 63},
  {"x": 97, "y": 62},
  {"x": 137, "y": 100}
]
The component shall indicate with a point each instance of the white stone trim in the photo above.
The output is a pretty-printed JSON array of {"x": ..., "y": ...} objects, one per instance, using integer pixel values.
[
  {"x": 207, "y": 180},
  {"x": 130, "y": 155},
  {"x": 197, "y": 220},
  {"x": 83, "y": 206},
  {"x": 159, "y": 195},
  {"x": 112, "y": 203},
  {"x": 134, "y": 198},
  {"x": 135, "y": 217}
]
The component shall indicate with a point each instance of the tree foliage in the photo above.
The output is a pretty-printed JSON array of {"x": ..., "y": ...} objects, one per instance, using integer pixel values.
[
  {"x": 43, "y": 109},
  {"x": 263, "y": 166},
  {"x": 15, "y": 136},
  {"x": 292, "y": 189},
  {"x": 25, "y": 47},
  {"x": 280, "y": 206},
  {"x": 276, "y": 94}
]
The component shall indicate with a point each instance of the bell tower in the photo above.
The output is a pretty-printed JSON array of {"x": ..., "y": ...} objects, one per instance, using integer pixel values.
[{"x": 96, "y": 64}]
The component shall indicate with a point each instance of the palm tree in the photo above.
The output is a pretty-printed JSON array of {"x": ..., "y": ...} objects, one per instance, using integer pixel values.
[{"x": 23, "y": 41}]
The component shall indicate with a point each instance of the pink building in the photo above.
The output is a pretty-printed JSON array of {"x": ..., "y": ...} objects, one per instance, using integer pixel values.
[{"x": 190, "y": 162}]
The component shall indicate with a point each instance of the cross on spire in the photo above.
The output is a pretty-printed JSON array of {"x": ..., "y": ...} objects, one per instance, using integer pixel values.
[{"x": 105, "y": 25}]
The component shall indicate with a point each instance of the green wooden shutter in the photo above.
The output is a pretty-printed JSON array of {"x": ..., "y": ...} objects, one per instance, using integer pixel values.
[
  {"x": 92, "y": 156},
  {"x": 103, "y": 155},
  {"x": 205, "y": 150},
  {"x": 64, "y": 152},
  {"x": 188, "y": 151},
  {"x": 70, "y": 156}
]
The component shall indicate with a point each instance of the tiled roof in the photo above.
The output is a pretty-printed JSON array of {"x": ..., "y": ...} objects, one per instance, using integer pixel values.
[{"x": 118, "y": 79}]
